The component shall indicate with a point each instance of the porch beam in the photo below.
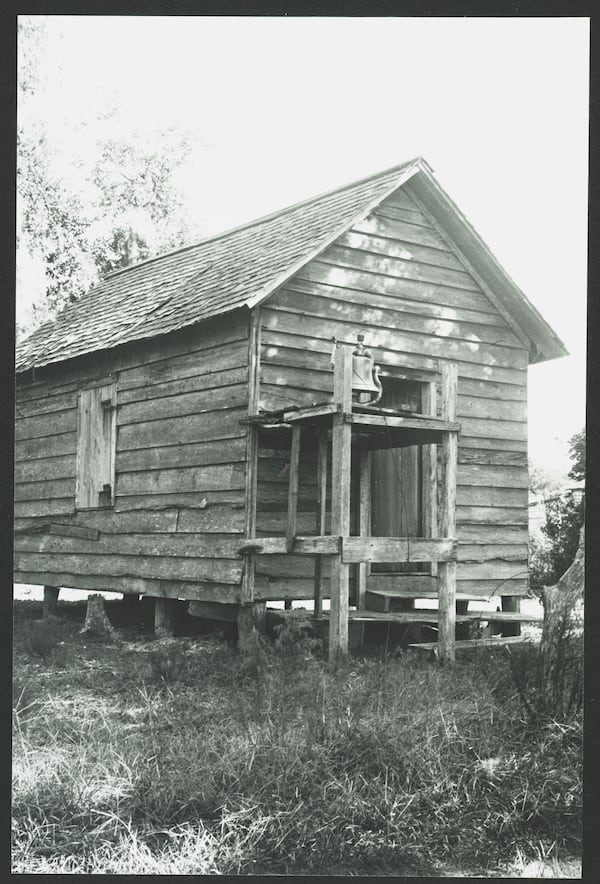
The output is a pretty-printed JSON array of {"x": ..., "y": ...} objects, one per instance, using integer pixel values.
[{"x": 398, "y": 549}]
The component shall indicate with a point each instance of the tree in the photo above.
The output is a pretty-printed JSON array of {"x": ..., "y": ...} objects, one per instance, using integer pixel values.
[
  {"x": 551, "y": 558},
  {"x": 577, "y": 455},
  {"x": 77, "y": 232},
  {"x": 139, "y": 210}
]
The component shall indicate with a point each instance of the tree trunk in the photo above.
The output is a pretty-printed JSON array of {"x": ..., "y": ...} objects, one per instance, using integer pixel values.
[
  {"x": 561, "y": 648},
  {"x": 96, "y": 620},
  {"x": 251, "y": 625},
  {"x": 50, "y": 600}
]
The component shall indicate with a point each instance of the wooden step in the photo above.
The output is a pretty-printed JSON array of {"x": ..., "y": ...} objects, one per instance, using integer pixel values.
[
  {"x": 506, "y": 616},
  {"x": 494, "y": 642},
  {"x": 419, "y": 615},
  {"x": 422, "y": 594}
]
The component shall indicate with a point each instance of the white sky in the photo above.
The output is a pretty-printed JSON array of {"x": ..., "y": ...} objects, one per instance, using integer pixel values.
[{"x": 285, "y": 108}]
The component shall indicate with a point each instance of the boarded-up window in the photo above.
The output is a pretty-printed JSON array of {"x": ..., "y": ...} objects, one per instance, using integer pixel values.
[{"x": 96, "y": 442}]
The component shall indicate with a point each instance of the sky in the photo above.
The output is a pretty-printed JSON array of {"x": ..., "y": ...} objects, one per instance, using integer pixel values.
[{"x": 285, "y": 108}]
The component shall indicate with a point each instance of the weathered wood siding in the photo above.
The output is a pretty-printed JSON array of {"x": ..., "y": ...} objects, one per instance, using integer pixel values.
[
  {"x": 180, "y": 468},
  {"x": 393, "y": 277}
]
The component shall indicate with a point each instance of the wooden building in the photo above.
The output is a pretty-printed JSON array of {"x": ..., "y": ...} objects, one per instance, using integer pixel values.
[{"x": 175, "y": 425}]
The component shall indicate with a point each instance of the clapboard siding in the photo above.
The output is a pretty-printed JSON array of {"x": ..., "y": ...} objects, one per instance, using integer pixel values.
[
  {"x": 393, "y": 278},
  {"x": 179, "y": 505}
]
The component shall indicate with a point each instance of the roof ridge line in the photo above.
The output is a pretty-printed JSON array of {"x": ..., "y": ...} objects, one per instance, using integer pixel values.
[{"x": 262, "y": 218}]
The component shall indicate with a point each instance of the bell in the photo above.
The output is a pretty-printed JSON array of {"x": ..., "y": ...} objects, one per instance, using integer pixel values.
[{"x": 362, "y": 368}]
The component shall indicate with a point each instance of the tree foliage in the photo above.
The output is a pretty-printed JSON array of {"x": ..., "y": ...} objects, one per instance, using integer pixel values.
[
  {"x": 551, "y": 558},
  {"x": 129, "y": 207}
]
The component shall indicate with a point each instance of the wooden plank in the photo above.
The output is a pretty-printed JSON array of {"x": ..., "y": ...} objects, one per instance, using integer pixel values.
[
  {"x": 491, "y": 457},
  {"x": 447, "y": 517},
  {"x": 183, "y": 500},
  {"x": 194, "y": 454},
  {"x": 214, "y": 611},
  {"x": 42, "y": 469},
  {"x": 46, "y": 446},
  {"x": 364, "y": 521},
  {"x": 213, "y": 477},
  {"x": 42, "y": 425},
  {"x": 200, "y": 427},
  {"x": 142, "y": 586},
  {"x": 472, "y": 533},
  {"x": 493, "y": 569},
  {"x": 74, "y": 531},
  {"x": 473, "y": 406},
  {"x": 491, "y": 515},
  {"x": 403, "y": 583},
  {"x": 293, "y": 487},
  {"x": 493, "y": 444},
  {"x": 50, "y": 491},
  {"x": 54, "y": 507},
  {"x": 182, "y": 404},
  {"x": 340, "y": 498},
  {"x": 490, "y": 588},
  {"x": 489, "y": 643},
  {"x": 416, "y": 423},
  {"x": 396, "y": 549},
  {"x": 493, "y": 476},
  {"x": 322, "y": 410},
  {"x": 143, "y": 545},
  {"x": 480, "y": 552},
  {"x": 321, "y": 515},
  {"x": 327, "y": 545},
  {"x": 474, "y": 496},
  {"x": 206, "y": 570}
]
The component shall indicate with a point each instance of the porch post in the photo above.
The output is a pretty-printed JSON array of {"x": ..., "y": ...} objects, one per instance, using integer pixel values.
[
  {"x": 447, "y": 518},
  {"x": 340, "y": 498},
  {"x": 321, "y": 516}
]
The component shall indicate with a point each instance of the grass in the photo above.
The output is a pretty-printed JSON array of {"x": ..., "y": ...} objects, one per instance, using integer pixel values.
[{"x": 130, "y": 759}]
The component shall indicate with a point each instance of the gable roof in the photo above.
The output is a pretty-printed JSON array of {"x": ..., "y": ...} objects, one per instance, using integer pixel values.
[{"x": 243, "y": 266}]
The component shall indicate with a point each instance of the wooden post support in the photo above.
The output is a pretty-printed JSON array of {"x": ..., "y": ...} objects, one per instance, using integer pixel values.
[
  {"x": 340, "y": 498},
  {"x": 364, "y": 522},
  {"x": 50, "y": 600},
  {"x": 294, "y": 480},
  {"x": 321, "y": 516},
  {"x": 251, "y": 624},
  {"x": 513, "y": 604},
  {"x": 165, "y": 617},
  {"x": 429, "y": 455},
  {"x": 447, "y": 519}
]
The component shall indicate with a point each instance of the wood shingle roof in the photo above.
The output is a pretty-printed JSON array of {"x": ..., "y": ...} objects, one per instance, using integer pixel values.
[{"x": 215, "y": 276}]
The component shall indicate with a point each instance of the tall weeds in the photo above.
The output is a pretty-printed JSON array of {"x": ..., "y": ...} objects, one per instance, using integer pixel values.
[{"x": 292, "y": 765}]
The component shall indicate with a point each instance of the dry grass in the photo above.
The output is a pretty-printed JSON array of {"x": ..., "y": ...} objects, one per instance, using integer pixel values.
[{"x": 194, "y": 762}]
